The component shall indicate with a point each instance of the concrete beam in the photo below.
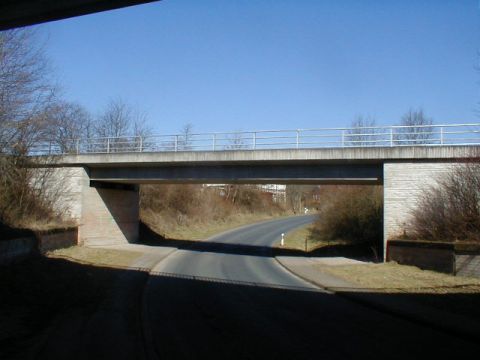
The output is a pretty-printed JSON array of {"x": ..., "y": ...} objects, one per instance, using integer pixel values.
[
  {"x": 248, "y": 174},
  {"x": 337, "y": 155}
]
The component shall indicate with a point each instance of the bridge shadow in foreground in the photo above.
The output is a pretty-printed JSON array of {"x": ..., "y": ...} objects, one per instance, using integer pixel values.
[
  {"x": 56, "y": 309},
  {"x": 362, "y": 252}
]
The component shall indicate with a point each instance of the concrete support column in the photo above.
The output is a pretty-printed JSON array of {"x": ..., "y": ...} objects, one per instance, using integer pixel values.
[
  {"x": 110, "y": 215},
  {"x": 403, "y": 184},
  {"x": 106, "y": 214}
]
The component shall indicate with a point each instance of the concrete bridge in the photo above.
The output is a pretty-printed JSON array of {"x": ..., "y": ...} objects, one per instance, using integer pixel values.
[{"x": 101, "y": 192}]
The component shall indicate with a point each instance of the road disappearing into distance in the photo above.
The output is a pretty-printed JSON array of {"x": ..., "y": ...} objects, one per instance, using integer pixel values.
[{"x": 233, "y": 300}]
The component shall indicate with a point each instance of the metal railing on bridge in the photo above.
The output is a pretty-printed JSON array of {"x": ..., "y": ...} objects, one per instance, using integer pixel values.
[{"x": 378, "y": 136}]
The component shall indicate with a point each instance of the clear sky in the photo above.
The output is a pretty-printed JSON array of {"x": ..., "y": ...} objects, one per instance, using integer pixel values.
[{"x": 268, "y": 64}]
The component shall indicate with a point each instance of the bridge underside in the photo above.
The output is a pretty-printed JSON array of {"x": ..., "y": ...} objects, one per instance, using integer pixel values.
[
  {"x": 29, "y": 12},
  {"x": 242, "y": 174}
]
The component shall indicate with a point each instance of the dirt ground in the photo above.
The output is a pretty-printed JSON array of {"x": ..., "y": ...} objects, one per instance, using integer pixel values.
[
  {"x": 392, "y": 277},
  {"x": 40, "y": 292}
]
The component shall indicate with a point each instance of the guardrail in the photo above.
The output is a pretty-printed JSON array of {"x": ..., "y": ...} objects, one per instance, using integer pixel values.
[{"x": 379, "y": 136}]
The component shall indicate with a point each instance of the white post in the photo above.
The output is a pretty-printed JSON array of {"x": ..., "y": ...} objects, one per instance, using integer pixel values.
[
  {"x": 77, "y": 146},
  {"x": 391, "y": 136},
  {"x": 343, "y": 138},
  {"x": 298, "y": 135},
  {"x": 254, "y": 140},
  {"x": 282, "y": 242},
  {"x": 140, "y": 146},
  {"x": 441, "y": 135},
  {"x": 108, "y": 145},
  {"x": 213, "y": 143},
  {"x": 176, "y": 143}
]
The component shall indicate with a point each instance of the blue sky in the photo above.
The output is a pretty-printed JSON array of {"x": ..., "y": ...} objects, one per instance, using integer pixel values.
[{"x": 265, "y": 64}]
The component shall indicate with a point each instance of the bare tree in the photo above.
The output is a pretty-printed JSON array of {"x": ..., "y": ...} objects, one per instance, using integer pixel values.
[
  {"x": 185, "y": 139},
  {"x": 26, "y": 95},
  {"x": 295, "y": 195},
  {"x": 419, "y": 130},
  {"x": 25, "y": 89},
  {"x": 236, "y": 142},
  {"x": 120, "y": 126},
  {"x": 69, "y": 123},
  {"x": 362, "y": 133}
]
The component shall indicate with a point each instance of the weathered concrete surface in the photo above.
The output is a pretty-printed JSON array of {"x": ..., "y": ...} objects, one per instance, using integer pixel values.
[
  {"x": 402, "y": 187},
  {"x": 109, "y": 216},
  {"x": 104, "y": 216},
  {"x": 425, "y": 255},
  {"x": 337, "y": 155},
  {"x": 56, "y": 240},
  {"x": 64, "y": 186},
  {"x": 468, "y": 265}
]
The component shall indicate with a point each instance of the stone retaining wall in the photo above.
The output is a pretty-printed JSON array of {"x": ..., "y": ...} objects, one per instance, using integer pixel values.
[
  {"x": 451, "y": 258},
  {"x": 17, "y": 249}
]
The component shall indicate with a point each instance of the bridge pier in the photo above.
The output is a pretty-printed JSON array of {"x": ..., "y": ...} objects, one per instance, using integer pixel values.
[
  {"x": 106, "y": 214},
  {"x": 110, "y": 214},
  {"x": 403, "y": 185}
]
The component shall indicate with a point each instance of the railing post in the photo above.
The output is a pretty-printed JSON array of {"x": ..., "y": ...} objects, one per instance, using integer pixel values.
[
  {"x": 108, "y": 145},
  {"x": 140, "y": 144},
  {"x": 254, "y": 140},
  {"x": 176, "y": 143},
  {"x": 343, "y": 138},
  {"x": 441, "y": 135},
  {"x": 77, "y": 146},
  {"x": 391, "y": 136},
  {"x": 214, "y": 141},
  {"x": 298, "y": 136}
]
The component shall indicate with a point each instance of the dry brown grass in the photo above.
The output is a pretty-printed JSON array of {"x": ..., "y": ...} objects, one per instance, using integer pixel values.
[
  {"x": 98, "y": 257},
  {"x": 193, "y": 212},
  {"x": 394, "y": 278}
]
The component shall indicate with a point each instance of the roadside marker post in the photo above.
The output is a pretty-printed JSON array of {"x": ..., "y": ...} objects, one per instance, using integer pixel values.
[{"x": 282, "y": 242}]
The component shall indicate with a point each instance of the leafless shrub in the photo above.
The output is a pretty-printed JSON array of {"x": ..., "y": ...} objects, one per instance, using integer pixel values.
[
  {"x": 350, "y": 213},
  {"x": 184, "y": 205},
  {"x": 27, "y": 194},
  {"x": 449, "y": 210},
  {"x": 26, "y": 96}
]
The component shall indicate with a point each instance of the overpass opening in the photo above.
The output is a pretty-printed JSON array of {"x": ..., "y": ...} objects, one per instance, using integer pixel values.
[{"x": 325, "y": 220}]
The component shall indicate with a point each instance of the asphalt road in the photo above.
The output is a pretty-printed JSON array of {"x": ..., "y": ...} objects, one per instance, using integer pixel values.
[{"x": 232, "y": 300}]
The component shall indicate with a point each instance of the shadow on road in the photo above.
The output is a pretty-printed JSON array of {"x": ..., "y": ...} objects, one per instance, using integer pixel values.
[
  {"x": 57, "y": 309},
  {"x": 355, "y": 251}
]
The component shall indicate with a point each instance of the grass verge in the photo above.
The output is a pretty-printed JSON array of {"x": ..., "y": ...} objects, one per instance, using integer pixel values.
[
  {"x": 201, "y": 231},
  {"x": 394, "y": 278},
  {"x": 301, "y": 239}
]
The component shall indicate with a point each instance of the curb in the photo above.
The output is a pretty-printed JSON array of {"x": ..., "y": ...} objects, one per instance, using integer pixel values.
[{"x": 471, "y": 333}]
